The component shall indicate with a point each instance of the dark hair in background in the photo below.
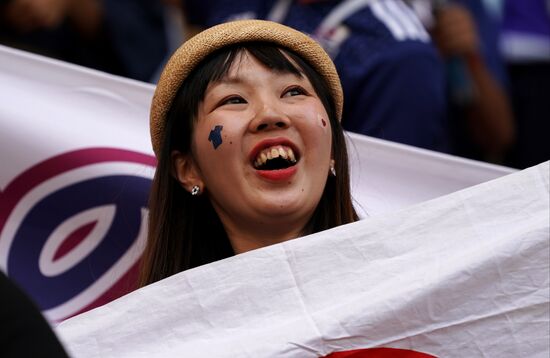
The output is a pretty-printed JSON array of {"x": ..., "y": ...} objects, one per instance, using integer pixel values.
[{"x": 185, "y": 231}]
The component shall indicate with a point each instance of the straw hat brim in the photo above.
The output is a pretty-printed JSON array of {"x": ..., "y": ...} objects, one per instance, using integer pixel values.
[{"x": 196, "y": 49}]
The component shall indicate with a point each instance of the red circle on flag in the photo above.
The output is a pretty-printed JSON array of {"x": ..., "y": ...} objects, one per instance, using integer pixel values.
[{"x": 379, "y": 353}]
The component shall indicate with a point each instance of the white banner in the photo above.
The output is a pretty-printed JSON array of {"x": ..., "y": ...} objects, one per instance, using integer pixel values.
[
  {"x": 465, "y": 275},
  {"x": 76, "y": 168}
]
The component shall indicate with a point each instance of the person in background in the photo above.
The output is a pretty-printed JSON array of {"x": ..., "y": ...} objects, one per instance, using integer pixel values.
[
  {"x": 123, "y": 37},
  {"x": 480, "y": 114},
  {"x": 392, "y": 76},
  {"x": 525, "y": 45},
  {"x": 25, "y": 332}
]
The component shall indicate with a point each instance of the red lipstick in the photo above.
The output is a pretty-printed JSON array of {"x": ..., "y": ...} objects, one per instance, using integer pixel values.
[{"x": 278, "y": 174}]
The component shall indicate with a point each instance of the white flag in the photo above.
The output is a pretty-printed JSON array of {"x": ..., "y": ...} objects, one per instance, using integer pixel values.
[{"x": 465, "y": 275}]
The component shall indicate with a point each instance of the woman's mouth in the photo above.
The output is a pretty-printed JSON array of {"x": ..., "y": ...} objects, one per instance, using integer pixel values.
[{"x": 275, "y": 158}]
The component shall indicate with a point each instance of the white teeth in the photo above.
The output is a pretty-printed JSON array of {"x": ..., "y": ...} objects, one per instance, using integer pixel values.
[
  {"x": 291, "y": 156},
  {"x": 274, "y": 152}
]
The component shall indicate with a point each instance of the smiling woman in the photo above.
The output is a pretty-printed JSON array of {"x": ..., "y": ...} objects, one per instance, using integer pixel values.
[{"x": 245, "y": 124}]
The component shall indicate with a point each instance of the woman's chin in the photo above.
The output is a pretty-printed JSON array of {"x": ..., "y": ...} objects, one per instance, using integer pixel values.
[{"x": 284, "y": 205}]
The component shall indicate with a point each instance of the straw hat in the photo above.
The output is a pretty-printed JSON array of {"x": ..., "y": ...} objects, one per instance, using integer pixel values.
[{"x": 192, "y": 52}]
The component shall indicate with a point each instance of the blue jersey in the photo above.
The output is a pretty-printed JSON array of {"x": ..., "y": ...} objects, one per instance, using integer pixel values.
[
  {"x": 392, "y": 76},
  {"x": 525, "y": 30}
]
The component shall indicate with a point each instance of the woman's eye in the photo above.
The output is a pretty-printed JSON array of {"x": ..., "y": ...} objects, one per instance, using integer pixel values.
[
  {"x": 233, "y": 100},
  {"x": 294, "y": 91}
]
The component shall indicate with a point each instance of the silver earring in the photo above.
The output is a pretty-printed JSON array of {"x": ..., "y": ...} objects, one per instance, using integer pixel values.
[
  {"x": 195, "y": 190},
  {"x": 332, "y": 170}
]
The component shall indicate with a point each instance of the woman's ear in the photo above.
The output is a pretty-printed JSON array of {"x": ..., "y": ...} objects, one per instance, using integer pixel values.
[{"x": 186, "y": 171}]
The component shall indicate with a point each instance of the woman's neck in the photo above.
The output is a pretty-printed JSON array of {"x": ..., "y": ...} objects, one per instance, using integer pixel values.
[{"x": 244, "y": 238}]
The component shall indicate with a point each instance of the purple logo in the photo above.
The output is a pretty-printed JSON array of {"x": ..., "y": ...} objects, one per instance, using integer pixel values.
[{"x": 72, "y": 228}]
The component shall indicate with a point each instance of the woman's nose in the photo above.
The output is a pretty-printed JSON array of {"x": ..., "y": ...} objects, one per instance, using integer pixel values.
[{"x": 269, "y": 118}]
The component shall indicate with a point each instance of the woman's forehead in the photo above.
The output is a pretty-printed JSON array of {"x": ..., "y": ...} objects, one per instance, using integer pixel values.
[
  {"x": 243, "y": 63},
  {"x": 239, "y": 67}
]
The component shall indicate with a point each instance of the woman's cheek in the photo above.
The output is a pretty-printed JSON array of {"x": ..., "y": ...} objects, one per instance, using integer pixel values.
[
  {"x": 319, "y": 120},
  {"x": 222, "y": 141},
  {"x": 310, "y": 114},
  {"x": 322, "y": 121},
  {"x": 216, "y": 136}
]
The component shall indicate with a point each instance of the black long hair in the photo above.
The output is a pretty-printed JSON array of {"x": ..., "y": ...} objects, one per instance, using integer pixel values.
[{"x": 185, "y": 231}]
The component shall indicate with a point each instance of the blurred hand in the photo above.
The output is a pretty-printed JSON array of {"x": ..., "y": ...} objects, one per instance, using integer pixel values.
[
  {"x": 455, "y": 33},
  {"x": 29, "y": 15}
]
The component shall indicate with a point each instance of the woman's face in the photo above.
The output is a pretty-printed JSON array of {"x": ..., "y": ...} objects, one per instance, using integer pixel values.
[{"x": 262, "y": 148}]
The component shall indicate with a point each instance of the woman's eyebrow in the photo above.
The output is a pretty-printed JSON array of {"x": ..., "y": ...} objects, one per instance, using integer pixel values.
[{"x": 230, "y": 80}]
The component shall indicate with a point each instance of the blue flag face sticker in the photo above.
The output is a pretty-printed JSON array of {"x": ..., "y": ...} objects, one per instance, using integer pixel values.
[{"x": 216, "y": 136}]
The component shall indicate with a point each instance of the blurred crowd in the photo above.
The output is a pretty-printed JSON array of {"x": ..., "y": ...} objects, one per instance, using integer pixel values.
[{"x": 465, "y": 77}]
